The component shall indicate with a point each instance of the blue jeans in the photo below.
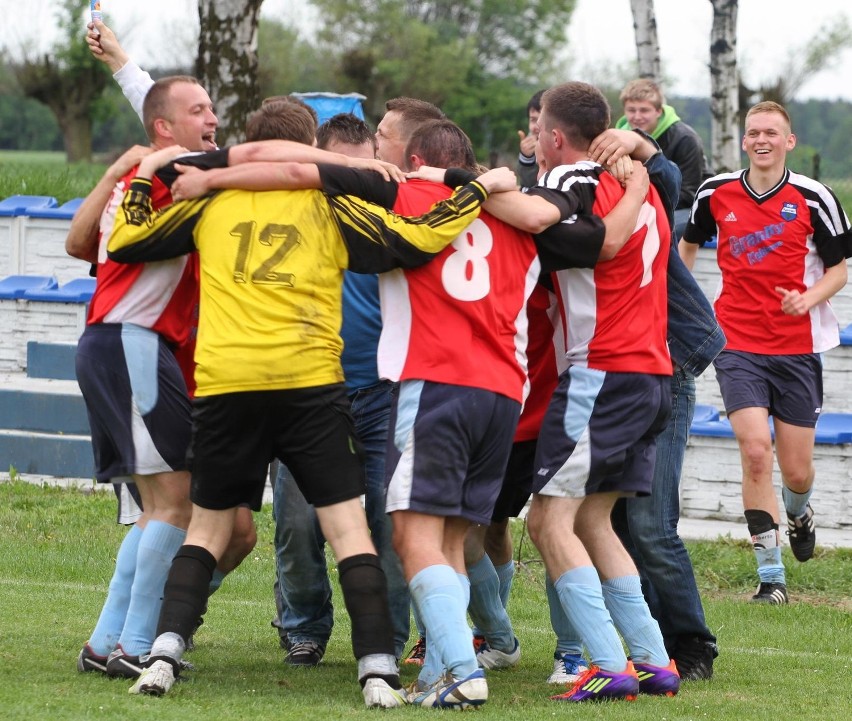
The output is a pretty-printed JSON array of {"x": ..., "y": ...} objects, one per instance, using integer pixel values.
[
  {"x": 648, "y": 528},
  {"x": 303, "y": 592}
]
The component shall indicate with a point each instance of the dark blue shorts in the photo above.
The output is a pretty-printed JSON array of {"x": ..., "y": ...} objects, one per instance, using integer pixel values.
[
  {"x": 600, "y": 433},
  {"x": 310, "y": 430},
  {"x": 136, "y": 399},
  {"x": 789, "y": 386},
  {"x": 447, "y": 449},
  {"x": 517, "y": 482}
]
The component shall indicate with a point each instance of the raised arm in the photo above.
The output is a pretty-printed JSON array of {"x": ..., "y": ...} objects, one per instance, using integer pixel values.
[{"x": 134, "y": 82}]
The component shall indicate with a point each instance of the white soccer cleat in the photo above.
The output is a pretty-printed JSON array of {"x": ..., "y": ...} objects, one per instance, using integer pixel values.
[
  {"x": 156, "y": 680},
  {"x": 378, "y": 694}
]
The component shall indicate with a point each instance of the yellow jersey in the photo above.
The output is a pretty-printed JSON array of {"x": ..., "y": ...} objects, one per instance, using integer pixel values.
[{"x": 272, "y": 267}]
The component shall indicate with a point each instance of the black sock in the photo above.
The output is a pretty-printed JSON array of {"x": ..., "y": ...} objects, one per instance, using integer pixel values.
[
  {"x": 186, "y": 590},
  {"x": 365, "y": 592}
]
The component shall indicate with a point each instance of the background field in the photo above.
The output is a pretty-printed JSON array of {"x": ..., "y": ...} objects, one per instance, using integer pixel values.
[{"x": 57, "y": 552}]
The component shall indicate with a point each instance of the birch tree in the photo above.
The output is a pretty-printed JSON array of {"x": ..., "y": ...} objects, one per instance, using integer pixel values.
[
  {"x": 724, "y": 87},
  {"x": 647, "y": 44},
  {"x": 227, "y": 62}
]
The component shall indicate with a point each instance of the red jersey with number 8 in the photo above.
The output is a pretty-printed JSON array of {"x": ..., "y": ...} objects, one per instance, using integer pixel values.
[{"x": 461, "y": 318}]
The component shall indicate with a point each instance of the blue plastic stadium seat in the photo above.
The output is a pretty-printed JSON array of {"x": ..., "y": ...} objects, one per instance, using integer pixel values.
[
  {"x": 710, "y": 243},
  {"x": 834, "y": 428},
  {"x": 63, "y": 212},
  {"x": 846, "y": 335},
  {"x": 78, "y": 290},
  {"x": 16, "y": 205},
  {"x": 704, "y": 413},
  {"x": 14, "y": 286}
]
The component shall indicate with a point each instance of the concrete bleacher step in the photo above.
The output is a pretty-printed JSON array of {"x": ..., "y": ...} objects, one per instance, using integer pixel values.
[
  {"x": 51, "y": 360},
  {"x": 44, "y": 428},
  {"x": 47, "y": 454}
]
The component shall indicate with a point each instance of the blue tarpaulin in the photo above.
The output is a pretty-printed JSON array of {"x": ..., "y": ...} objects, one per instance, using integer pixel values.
[{"x": 329, "y": 104}]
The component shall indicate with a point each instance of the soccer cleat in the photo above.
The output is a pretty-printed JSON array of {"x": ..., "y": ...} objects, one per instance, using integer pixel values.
[
  {"x": 478, "y": 641},
  {"x": 305, "y": 653},
  {"x": 694, "y": 658},
  {"x": 379, "y": 694},
  {"x": 598, "y": 685},
  {"x": 658, "y": 680},
  {"x": 155, "y": 680},
  {"x": 88, "y": 660},
  {"x": 417, "y": 653},
  {"x": 449, "y": 692},
  {"x": 121, "y": 665},
  {"x": 773, "y": 593},
  {"x": 802, "y": 534},
  {"x": 493, "y": 659},
  {"x": 567, "y": 668}
]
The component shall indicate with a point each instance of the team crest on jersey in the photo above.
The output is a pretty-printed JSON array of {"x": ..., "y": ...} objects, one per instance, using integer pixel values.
[{"x": 789, "y": 211}]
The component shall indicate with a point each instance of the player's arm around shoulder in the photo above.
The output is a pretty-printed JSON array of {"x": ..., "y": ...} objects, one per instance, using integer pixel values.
[
  {"x": 140, "y": 234},
  {"x": 379, "y": 240}
]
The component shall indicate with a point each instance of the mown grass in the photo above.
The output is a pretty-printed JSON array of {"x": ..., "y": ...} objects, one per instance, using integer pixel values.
[
  {"x": 56, "y": 555},
  {"x": 46, "y": 173}
]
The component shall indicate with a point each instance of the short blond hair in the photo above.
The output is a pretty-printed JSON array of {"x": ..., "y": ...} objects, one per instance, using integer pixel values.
[
  {"x": 770, "y": 106},
  {"x": 643, "y": 90}
]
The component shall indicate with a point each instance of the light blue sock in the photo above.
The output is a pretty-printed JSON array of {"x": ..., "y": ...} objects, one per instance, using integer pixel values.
[
  {"x": 160, "y": 541},
  {"x": 767, "y": 551},
  {"x": 486, "y": 609},
  {"x": 567, "y": 637},
  {"x": 632, "y": 617},
  {"x": 418, "y": 624},
  {"x": 795, "y": 503},
  {"x": 108, "y": 628},
  {"x": 506, "y": 574},
  {"x": 441, "y": 601},
  {"x": 432, "y": 668},
  {"x": 582, "y": 600},
  {"x": 216, "y": 581}
]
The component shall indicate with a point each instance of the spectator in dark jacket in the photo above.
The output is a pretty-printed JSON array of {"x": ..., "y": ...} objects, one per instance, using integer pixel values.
[{"x": 645, "y": 108}]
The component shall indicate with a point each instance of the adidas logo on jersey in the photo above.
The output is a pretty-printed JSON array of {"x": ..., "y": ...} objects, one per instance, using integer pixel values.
[{"x": 730, "y": 217}]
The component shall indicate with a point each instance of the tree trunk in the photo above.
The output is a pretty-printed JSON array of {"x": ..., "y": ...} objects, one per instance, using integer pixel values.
[
  {"x": 724, "y": 80},
  {"x": 647, "y": 44},
  {"x": 227, "y": 62}
]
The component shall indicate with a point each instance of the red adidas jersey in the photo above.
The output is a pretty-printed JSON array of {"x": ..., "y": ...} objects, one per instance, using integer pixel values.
[
  {"x": 161, "y": 296},
  {"x": 461, "y": 318},
  {"x": 542, "y": 359},
  {"x": 615, "y": 314},
  {"x": 786, "y": 238}
]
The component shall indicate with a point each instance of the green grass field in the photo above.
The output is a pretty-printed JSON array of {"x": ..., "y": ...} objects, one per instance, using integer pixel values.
[
  {"x": 46, "y": 173},
  {"x": 56, "y": 556}
]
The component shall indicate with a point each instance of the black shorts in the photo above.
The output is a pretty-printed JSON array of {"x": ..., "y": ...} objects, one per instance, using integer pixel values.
[
  {"x": 789, "y": 386},
  {"x": 517, "y": 483},
  {"x": 236, "y": 435}
]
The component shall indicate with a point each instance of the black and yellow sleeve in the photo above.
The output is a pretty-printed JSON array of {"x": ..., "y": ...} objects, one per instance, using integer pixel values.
[
  {"x": 142, "y": 235},
  {"x": 379, "y": 240}
]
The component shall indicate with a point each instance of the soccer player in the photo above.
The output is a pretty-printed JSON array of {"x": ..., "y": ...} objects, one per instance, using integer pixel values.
[
  {"x": 270, "y": 383},
  {"x": 597, "y": 439},
  {"x": 782, "y": 244},
  {"x": 133, "y": 387}
]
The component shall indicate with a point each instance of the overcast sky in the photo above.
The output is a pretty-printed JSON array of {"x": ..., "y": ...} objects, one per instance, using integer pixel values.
[{"x": 163, "y": 32}]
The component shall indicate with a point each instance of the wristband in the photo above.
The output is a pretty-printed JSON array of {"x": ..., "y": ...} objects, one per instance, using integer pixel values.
[{"x": 454, "y": 177}]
